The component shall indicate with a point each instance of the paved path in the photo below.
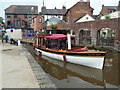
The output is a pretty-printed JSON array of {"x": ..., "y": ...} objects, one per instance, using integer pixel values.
[{"x": 16, "y": 70}]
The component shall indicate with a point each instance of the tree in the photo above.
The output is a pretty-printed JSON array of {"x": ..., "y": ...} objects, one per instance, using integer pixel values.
[
  {"x": 53, "y": 26},
  {"x": 2, "y": 24},
  {"x": 111, "y": 33}
]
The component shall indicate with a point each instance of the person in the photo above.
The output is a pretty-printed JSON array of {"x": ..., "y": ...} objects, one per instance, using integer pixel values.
[
  {"x": 3, "y": 38},
  {"x": 6, "y": 37}
]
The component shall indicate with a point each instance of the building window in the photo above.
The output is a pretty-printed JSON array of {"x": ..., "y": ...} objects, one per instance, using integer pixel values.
[
  {"x": 25, "y": 16},
  {"x": 15, "y": 16},
  {"x": 33, "y": 20},
  {"x": 59, "y": 17},
  {"x": 32, "y": 8},
  {"x": 86, "y": 17},
  {"x": 18, "y": 22},
  {"x": 40, "y": 20},
  {"x": 8, "y": 16},
  {"x": 30, "y": 16},
  {"x": 8, "y": 22},
  {"x": 11, "y": 30},
  {"x": 111, "y": 11}
]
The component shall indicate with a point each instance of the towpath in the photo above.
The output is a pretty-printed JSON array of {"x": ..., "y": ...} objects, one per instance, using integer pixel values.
[{"x": 17, "y": 71}]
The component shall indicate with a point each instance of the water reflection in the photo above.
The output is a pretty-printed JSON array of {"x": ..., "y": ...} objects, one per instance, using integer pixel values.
[
  {"x": 72, "y": 72},
  {"x": 111, "y": 70},
  {"x": 77, "y": 76},
  {"x": 69, "y": 75}
]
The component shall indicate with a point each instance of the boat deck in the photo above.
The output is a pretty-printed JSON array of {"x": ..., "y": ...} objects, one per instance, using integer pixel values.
[{"x": 75, "y": 51}]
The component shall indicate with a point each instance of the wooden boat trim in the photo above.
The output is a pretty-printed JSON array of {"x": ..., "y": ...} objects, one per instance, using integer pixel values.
[{"x": 87, "y": 54}]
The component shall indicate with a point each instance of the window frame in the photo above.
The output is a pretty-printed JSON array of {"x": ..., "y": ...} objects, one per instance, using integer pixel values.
[
  {"x": 25, "y": 16},
  {"x": 40, "y": 20},
  {"x": 15, "y": 15},
  {"x": 18, "y": 23}
]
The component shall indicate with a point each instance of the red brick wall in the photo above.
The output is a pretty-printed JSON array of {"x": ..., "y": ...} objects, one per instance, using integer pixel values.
[
  {"x": 94, "y": 26},
  {"x": 37, "y": 25},
  {"x": 19, "y": 17},
  {"x": 78, "y": 10},
  {"x": 106, "y": 11}
]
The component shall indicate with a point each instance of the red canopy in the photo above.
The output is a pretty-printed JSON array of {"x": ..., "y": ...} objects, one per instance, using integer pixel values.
[{"x": 57, "y": 36}]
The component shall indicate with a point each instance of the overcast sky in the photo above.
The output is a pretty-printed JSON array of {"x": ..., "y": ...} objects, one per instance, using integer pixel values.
[{"x": 50, "y": 4}]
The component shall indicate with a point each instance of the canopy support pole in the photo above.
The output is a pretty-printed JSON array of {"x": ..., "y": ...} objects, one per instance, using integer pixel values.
[{"x": 69, "y": 41}]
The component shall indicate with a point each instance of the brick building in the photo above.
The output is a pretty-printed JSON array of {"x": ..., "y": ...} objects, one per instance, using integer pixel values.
[
  {"x": 37, "y": 22},
  {"x": 53, "y": 16},
  {"x": 78, "y": 10},
  {"x": 97, "y": 32},
  {"x": 23, "y": 16},
  {"x": 73, "y": 14},
  {"x": 108, "y": 9}
]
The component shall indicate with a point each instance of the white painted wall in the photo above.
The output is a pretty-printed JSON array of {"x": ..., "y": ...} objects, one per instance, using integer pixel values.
[
  {"x": 85, "y": 18},
  {"x": 16, "y": 34},
  {"x": 112, "y": 15},
  {"x": 50, "y": 16}
]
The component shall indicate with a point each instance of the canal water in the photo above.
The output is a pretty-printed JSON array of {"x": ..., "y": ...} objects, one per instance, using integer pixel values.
[{"x": 67, "y": 75}]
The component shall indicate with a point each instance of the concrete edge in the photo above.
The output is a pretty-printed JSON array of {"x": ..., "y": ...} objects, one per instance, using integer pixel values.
[{"x": 42, "y": 78}]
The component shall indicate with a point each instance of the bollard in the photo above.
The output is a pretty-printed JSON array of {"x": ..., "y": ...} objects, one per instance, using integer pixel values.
[
  {"x": 19, "y": 42},
  {"x": 64, "y": 58}
]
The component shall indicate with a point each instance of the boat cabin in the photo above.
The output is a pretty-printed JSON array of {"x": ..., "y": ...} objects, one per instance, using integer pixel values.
[{"x": 53, "y": 41}]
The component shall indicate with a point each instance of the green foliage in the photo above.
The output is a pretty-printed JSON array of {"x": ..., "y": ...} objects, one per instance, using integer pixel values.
[
  {"x": 2, "y": 24},
  {"x": 93, "y": 46},
  {"x": 111, "y": 33},
  {"x": 1, "y": 20},
  {"x": 107, "y": 17},
  {"x": 53, "y": 26}
]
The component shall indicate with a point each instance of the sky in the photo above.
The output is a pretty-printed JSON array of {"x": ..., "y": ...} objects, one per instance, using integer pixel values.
[{"x": 51, "y": 4}]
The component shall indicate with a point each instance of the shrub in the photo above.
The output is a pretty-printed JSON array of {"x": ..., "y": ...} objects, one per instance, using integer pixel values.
[{"x": 107, "y": 17}]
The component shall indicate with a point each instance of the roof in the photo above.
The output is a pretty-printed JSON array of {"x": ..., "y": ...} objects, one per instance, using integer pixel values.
[
  {"x": 52, "y": 12},
  {"x": 54, "y": 20},
  {"x": 111, "y": 7},
  {"x": 80, "y": 17},
  {"x": 57, "y": 36},
  {"x": 22, "y": 9},
  {"x": 83, "y": 18}
]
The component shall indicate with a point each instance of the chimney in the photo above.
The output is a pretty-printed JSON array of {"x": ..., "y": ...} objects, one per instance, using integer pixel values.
[
  {"x": 88, "y": 2},
  {"x": 102, "y": 5},
  {"x": 119, "y": 6},
  {"x": 43, "y": 8},
  {"x": 64, "y": 9},
  {"x": 81, "y": 1}
]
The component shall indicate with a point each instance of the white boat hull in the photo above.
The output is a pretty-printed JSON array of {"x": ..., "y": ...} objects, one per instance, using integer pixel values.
[{"x": 90, "y": 61}]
